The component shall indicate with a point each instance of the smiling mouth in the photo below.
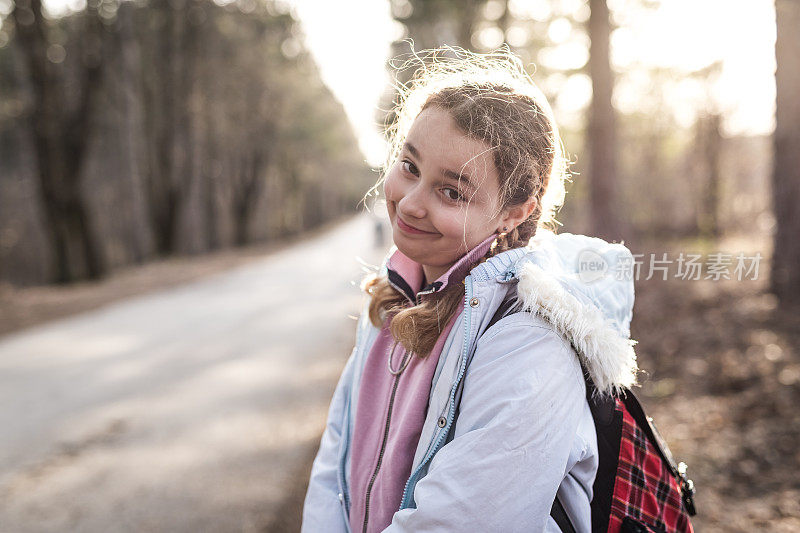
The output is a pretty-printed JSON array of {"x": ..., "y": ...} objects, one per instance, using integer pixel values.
[{"x": 411, "y": 229}]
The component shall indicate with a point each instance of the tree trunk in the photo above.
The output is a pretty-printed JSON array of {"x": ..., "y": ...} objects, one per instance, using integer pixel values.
[
  {"x": 466, "y": 14},
  {"x": 245, "y": 197},
  {"x": 209, "y": 174},
  {"x": 785, "y": 275},
  {"x": 602, "y": 134},
  {"x": 709, "y": 144},
  {"x": 165, "y": 89},
  {"x": 140, "y": 232},
  {"x": 184, "y": 168},
  {"x": 61, "y": 136}
]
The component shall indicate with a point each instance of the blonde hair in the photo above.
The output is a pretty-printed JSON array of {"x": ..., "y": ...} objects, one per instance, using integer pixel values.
[{"x": 492, "y": 99}]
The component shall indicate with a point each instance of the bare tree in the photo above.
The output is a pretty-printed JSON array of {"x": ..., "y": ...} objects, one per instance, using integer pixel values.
[
  {"x": 785, "y": 277},
  {"x": 61, "y": 132},
  {"x": 708, "y": 146},
  {"x": 602, "y": 131},
  {"x": 168, "y": 122}
]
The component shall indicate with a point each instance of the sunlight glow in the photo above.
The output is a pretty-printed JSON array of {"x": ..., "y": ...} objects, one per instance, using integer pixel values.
[
  {"x": 689, "y": 35},
  {"x": 351, "y": 41}
]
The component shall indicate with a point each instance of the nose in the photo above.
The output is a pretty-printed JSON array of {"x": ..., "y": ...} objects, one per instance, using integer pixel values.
[{"x": 412, "y": 204}]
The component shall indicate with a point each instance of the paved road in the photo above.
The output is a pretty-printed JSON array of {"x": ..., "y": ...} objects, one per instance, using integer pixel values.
[{"x": 183, "y": 411}]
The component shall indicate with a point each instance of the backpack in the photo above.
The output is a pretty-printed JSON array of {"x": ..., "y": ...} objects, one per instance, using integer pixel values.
[{"x": 638, "y": 487}]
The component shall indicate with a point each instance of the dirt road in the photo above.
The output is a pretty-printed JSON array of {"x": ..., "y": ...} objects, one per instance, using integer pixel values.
[{"x": 191, "y": 409}]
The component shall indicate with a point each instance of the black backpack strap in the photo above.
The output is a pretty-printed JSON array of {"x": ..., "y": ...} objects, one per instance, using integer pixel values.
[
  {"x": 505, "y": 309},
  {"x": 559, "y": 514}
]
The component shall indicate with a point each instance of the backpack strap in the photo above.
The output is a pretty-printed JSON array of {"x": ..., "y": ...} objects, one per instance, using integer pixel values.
[
  {"x": 503, "y": 311},
  {"x": 608, "y": 429},
  {"x": 559, "y": 514}
]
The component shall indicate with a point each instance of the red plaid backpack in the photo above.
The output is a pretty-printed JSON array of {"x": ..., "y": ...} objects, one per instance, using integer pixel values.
[{"x": 638, "y": 487}]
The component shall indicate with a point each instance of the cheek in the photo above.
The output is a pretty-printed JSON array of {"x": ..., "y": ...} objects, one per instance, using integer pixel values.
[
  {"x": 452, "y": 222},
  {"x": 391, "y": 189},
  {"x": 392, "y": 182},
  {"x": 472, "y": 224}
]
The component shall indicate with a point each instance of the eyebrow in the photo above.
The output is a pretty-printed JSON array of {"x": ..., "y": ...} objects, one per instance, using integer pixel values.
[{"x": 461, "y": 177}]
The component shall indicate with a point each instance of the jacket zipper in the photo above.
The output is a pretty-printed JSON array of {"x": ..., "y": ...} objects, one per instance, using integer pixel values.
[{"x": 380, "y": 454}]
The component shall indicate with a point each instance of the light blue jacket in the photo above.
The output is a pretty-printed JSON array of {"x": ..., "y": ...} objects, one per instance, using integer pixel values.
[{"x": 524, "y": 430}]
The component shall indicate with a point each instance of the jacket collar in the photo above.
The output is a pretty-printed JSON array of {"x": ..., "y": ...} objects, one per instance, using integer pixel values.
[{"x": 406, "y": 275}]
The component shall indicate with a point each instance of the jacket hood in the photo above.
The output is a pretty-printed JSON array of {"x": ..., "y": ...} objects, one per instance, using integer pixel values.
[{"x": 584, "y": 287}]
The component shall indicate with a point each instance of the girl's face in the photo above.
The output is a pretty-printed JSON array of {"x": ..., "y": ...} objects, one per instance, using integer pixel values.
[{"x": 442, "y": 194}]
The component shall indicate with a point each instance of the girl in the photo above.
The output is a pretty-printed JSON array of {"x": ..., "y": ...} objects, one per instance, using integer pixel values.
[{"x": 463, "y": 405}]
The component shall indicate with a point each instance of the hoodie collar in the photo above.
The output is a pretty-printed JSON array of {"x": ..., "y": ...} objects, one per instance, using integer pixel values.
[{"x": 406, "y": 275}]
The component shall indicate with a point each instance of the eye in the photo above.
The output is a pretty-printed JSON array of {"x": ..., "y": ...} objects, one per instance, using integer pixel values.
[
  {"x": 452, "y": 194},
  {"x": 411, "y": 168}
]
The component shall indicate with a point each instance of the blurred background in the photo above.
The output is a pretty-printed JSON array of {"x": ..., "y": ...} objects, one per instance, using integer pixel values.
[{"x": 180, "y": 186}]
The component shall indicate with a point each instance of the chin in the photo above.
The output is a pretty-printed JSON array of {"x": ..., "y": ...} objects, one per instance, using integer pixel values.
[
  {"x": 420, "y": 253},
  {"x": 412, "y": 250},
  {"x": 408, "y": 249}
]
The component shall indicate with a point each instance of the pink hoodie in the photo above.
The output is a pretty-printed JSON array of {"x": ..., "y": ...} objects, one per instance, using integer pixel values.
[{"x": 391, "y": 409}]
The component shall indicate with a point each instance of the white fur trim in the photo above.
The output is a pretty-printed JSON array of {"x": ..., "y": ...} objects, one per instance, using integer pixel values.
[{"x": 608, "y": 356}]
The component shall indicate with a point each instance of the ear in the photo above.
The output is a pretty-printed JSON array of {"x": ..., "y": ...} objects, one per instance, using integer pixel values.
[{"x": 516, "y": 215}]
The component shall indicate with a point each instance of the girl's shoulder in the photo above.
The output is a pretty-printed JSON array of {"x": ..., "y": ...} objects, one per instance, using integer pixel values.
[{"x": 526, "y": 338}]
